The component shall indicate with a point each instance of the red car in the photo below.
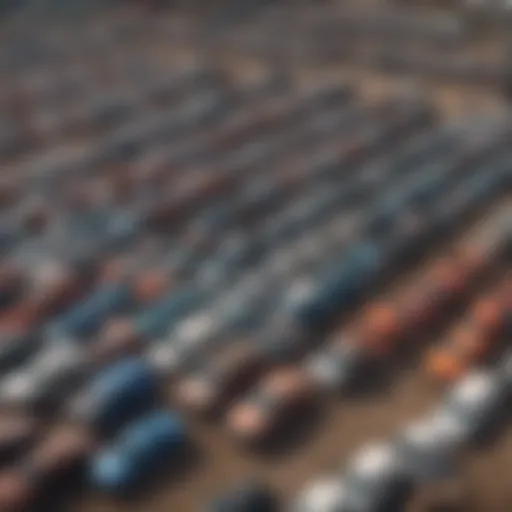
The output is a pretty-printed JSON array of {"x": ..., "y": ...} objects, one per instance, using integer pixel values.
[{"x": 282, "y": 393}]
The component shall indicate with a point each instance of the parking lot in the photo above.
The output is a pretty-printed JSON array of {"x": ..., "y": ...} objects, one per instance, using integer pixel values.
[{"x": 336, "y": 426}]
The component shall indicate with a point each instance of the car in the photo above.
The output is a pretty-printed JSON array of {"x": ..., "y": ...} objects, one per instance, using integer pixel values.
[
  {"x": 489, "y": 313},
  {"x": 480, "y": 254},
  {"x": 282, "y": 337},
  {"x": 61, "y": 452},
  {"x": 216, "y": 383},
  {"x": 123, "y": 145},
  {"x": 18, "y": 432},
  {"x": 54, "y": 285},
  {"x": 477, "y": 402},
  {"x": 447, "y": 363},
  {"x": 327, "y": 494},
  {"x": 117, "y": 394},
  {"x": 375, "y": 480},
  {"x": 88, "y": 316},
  {"x": 329, "y": 122},
  {"x": 46, "y": 380},
  {"x": 157, "y": 319},
  {"x": 279, "y": 395},
  {"x": 422, "y": 305},
  {"x": 329, "y": 95},
  {"x": 248, "y": 496},
  {"x": 122, "y": 228},
  {"x": 382, "y": 217},
  {"x": 471, "y": 341},
  {"x": 483, "y": 188},
  {"x": 337, "y": 366},
  {"x": 118, "y": 338},
  {"x": 430, "y": 448},
  {"x": 380, "y": 328},
  {"x": 451, "y": 277},
  {"x": 171, "y": 359},
  {"x": 17, "y": 492},
  {"x": 16, "y": 348},
  {"x": 33, "y": 216},
  {"x": 138, "y": 452},
  {"x": 342, "y": 284}
]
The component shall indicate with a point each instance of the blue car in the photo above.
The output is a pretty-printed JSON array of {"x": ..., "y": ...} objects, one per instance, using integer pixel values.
[
  {"x": 140, "y": 450},
  {"x": 117, "y": 394}
]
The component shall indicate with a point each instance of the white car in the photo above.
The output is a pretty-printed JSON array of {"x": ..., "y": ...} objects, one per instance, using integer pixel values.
[
  {"x": 325, "y": 495},
  {"x": 376, "y": 480},
  {"x": 477, "y": 401}
]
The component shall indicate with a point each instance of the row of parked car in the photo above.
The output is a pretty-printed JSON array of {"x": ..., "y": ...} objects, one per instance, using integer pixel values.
[
  {"x": 425, "y": 453},
  {"x": 201, "y": 245},
  {"x": 86, "y": 80},
  {"x": 214, "y": 355},
  {"x": 440, "y": 44},
  {"x": 476, "y": 337},
  {"x": 480, "y": 7},
  {"x": 423, "y": 462}
]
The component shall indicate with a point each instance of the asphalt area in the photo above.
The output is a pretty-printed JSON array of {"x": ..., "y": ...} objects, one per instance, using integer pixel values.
[{"x": 340, "y": 426}]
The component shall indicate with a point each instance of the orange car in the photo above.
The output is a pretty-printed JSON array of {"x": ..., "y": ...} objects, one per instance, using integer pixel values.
[
  {"x": 385, "y": 325},
  {"x": 382, "y": 326},
  {"x": 449, "y": 362},
  {"x": 470, "y": 341},
  {"x": 280, "y": 395}
]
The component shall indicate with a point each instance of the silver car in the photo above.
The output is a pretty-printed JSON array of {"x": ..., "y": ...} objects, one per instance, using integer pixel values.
[
  {"x": 430, "y": 447},
  {"x": 336, "y": 367},
  {"x": 47, "y": 379}
]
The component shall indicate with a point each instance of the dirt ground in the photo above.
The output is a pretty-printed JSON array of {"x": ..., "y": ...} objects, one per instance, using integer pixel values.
[{"x": 342, "y": 425}]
